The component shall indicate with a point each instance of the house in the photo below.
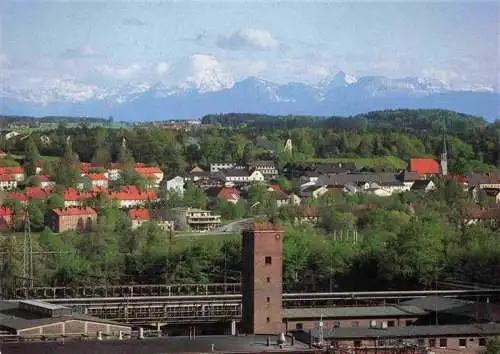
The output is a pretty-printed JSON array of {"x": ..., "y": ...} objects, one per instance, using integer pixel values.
[
  {"x": 294, "y": 199},
  {"x": 131, "y": 196},
  {"x": 230, "y": 195},
  {"x": 439, "y": 339},
  {"x": 16, "y": 171},
  {"x": 219, "y": 166},
  {"x": 6, "y": 219},
  {"x": 423, "y": 186},
  {"x": 280, "y": 197},
  {"x": 162, "y": 218},
  {"x": 138, "y": 216},
  {"x": 381, "y": 317},
  {"x": 489, "y": 215},
  {"x": 175, "y": 184},
  {"x": 92, "y": 180},
  {"x": 307, "y": 214},
  {"x": 155, "y": 174},
  {"x": 240, "y": 175},
  {"x": 8, "y": 182},
  {"x": 313, "y": 191},
  {"x": 46, "y": 182},
  {"x": 74, "y": 198},
  {"x": 197, "y": 174},
  {"x": 194, "y": 219},
  {"x": 267, "y": 168},
  {"x": 71, "y": 218},
  {"x": 424, "y": 167}
]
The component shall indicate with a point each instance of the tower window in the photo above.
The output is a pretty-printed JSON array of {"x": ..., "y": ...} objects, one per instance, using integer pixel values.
[
  {"x": 268, "y": 279},
  {"x": 268, "y": 260},
  {"x": 268, "y": 319},
  {"x": 268, "y": 299}
]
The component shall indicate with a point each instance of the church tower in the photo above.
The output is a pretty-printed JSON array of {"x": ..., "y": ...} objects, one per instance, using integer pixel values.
[
  {"x": 444, "y": 158},
  {"x": 262, "y": 279}
]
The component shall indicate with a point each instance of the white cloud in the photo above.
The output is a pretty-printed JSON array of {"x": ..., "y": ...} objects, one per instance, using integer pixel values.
[
  {"x": 162, "y": 68},
  {"x": 248, "y": 39},
  {"x": 201, "y": 71},
  {"x": 80, "y": 52},
  {"x": 120, "y": 72}
]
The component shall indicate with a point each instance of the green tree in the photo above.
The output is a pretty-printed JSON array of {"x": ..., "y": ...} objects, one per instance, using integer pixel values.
[
  {"x": 31, "y": 157},
  {"x": 493, "y": 346}
]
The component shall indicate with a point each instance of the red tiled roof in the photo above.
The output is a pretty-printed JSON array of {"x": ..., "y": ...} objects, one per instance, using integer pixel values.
[
  {"x": 70, "y": 194},
  {"x": 44, "y": 178},
  {"x": 7, "y": 178},
  {"x": 16, "y": 170},
  {"x": 148, "y": 171},
  {"x": 132, "y": 193},
  {"x": 19, "y": 196},
  {"x": 275, "y": 187},
  {"x": 96, "y": 176},
  {"x": 36, "y": 192},
  {"x": 197, "y": 169},
  {"x": 4, "y": 211},
  {"x": 74, "y": 211},
  {"x": 86, "y": 166},
  {"x": 138, "y": 214},
  {"x": 424, "y": 166},
  {"x": 228, "y": 193}
]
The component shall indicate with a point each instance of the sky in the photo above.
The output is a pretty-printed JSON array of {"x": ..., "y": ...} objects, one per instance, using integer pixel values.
[{"x": 85, "y": 45}]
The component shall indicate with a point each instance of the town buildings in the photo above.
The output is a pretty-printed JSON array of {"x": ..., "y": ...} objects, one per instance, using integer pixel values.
[{"x": 71, "y": 218}]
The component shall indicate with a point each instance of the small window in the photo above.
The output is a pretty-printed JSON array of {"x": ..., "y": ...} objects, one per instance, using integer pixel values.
[
  {"x": 391, "y": 323},
  {"x": 432, "y": 343},
  {"x": 355, "y": 324},
  {"x": 268, "y": 279},
  {"x": 299, "y": 326},
  {"x": 443, "y": 343},
  {"x": 269, "y": 260},
  {"x": 357, "y": 343},
  {"x": 409, "y": 323},
  {"x": 462, "y": 342},
  {"x": 381, "y": 343},
  {"x": 482, "y": 342},
  {"x": 268, "y": 299},
  {"x": 336, "y": 324},
  {"x": 421, "y": 342},
  {"x": 268, "y": 319}
]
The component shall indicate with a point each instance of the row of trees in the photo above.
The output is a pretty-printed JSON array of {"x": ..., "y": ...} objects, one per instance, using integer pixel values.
[
  {"x": 403, "y": 241},
  {"x": 473, "y": 145}
]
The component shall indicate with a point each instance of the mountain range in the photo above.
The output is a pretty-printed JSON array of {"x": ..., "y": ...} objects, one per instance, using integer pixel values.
[{"x": 340, "y": 95}]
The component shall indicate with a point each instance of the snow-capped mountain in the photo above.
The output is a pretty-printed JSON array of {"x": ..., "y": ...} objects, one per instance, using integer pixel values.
[{"x": 202, "y": 87}]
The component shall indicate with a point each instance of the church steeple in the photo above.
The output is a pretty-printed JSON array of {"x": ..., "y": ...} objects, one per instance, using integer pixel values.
[{"x": 443, "y": 161}]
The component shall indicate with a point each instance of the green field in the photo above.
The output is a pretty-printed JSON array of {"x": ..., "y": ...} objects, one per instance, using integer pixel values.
[{"x": 391, "y": 162}]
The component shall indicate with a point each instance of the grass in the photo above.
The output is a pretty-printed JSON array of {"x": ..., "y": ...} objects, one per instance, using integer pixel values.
[{"x": 391, "y": 162}]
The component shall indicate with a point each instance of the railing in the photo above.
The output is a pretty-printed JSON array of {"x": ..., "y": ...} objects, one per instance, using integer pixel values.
[{"x": 127, "y": 290}]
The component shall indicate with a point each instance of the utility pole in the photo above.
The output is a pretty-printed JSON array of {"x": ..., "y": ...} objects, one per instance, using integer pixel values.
[{"x": 27, "y": 250}]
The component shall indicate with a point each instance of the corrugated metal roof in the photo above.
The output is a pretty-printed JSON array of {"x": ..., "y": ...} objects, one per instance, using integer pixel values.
[
  {"x": 410, "y": 331},
  {"x": 354, "y": 312}
]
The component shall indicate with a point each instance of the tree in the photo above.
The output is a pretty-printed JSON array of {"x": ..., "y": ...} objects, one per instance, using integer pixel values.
[
  {"x": 55, "y": 201},
  {"x": 493, "y": 346},
  {"x": 102, "y": 154},
  {"x": 194, "y": 196},
  {"x": 31, "y": 157}
]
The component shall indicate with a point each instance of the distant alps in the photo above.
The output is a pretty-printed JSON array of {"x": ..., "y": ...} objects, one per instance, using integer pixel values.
[{"x": 341, "y": 94}]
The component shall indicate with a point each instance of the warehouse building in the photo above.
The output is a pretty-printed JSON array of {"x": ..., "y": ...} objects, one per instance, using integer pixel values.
[{"x": 32, "y": 319}]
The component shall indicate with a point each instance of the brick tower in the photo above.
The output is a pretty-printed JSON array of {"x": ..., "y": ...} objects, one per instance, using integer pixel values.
[{"x": 262, "y": 278}]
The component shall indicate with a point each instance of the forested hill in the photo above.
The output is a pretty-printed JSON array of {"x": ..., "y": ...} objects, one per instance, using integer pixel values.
[{"x": 390, "y": 120}]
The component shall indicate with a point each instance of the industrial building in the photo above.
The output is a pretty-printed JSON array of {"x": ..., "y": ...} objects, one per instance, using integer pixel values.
[{"x": 34, "y": 320}]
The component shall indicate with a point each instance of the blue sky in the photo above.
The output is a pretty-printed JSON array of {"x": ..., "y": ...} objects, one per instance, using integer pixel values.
[{"x": 96, "y": 44}]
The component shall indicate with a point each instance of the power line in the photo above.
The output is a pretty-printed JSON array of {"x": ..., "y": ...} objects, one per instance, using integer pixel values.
[{"x": 27, "y": 250}]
